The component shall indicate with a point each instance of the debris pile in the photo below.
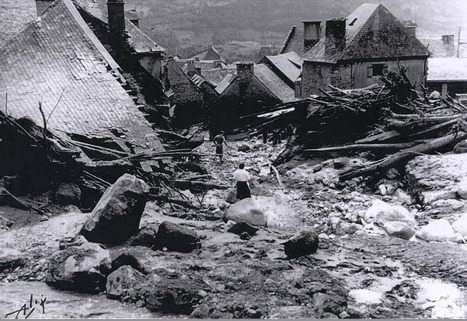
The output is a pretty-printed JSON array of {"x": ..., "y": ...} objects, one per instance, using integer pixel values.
[{"x": 387, "y": 124}]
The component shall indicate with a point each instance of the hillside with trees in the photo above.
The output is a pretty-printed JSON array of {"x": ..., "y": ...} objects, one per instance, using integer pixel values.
[{"x": 185, "y": 27}]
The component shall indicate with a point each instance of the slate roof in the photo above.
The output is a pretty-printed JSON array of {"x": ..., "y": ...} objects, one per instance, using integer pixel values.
[
  {"x": 224, "y": 83},
  {"x": 289, "y": 64},
  {"x": 183, "y": 88},
  {"x": 216, "y": 75},
  {"x": 447, "y": 69},
  {"x": 142, "y": 43},
  {"x": 371, "y": 32},
  {"x": 294, "y": 42},
  {"x": 59, "y": 53},
  {"x": 14, "y": 15},
  {"x": 275, "y": 84},
  {"x": 210, "y": 54},
  {"x": 439, "y": 49}
]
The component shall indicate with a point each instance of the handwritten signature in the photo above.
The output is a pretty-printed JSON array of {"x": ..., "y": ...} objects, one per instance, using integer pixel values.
[{"x": 27, "y": 309}]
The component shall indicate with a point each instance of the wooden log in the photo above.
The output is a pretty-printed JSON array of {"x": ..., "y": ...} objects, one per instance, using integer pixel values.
[
  {"x": 385, "y": 136},
  {"x": 21, "y": 204},
  {"x": 360, "y": 147},
  {"x": 403, "y": 156},
  {"x": 197, "y": 185}
]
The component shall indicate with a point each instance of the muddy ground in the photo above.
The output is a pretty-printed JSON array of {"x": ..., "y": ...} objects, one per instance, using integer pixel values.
[{"x": 357, "y": 272}]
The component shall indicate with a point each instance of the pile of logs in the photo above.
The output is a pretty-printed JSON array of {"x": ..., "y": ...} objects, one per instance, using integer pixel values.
[
  {"x": 43, "y": 159},
  {"x": 392, "y": 123}
]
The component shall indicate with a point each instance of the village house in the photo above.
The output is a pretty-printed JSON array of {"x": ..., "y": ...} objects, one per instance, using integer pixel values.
[
  {"x": 449, "y": 77},
  {"x": 59, "y": 62},
  {"x": 254, "y": 88},
  {"x": 353, "y": 52},
  {"x": 185, "y": 97}
]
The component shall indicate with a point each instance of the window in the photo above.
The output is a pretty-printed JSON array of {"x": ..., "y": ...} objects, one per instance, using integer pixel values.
[{"x": 376, "y": 70}]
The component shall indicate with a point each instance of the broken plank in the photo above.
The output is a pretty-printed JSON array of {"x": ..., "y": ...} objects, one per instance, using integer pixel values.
[{"x": 360, "y": 147}]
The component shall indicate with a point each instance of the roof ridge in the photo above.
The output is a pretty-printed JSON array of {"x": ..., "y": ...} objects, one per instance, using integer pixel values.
[{"x": 289, "y": 36}]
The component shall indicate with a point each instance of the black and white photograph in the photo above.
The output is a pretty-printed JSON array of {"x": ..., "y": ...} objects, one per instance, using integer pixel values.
[{"x": 233, "y": 159}]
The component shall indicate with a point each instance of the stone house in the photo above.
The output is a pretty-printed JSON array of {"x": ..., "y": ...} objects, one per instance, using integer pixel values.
[
  {"x": 58, "y": 60},
  {"x": 353, "y": 52},
  {"x": 449, "y": 77},
  {"x": 254, "y": 88}
]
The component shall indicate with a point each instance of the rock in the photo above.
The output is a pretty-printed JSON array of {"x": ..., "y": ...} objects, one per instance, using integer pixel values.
[
  {"x": 382, "y": 189},
  {"x": 402, "y": 196},
  {"x": 245, "y": 236},
  {"x": 246, "y": 210},
  {"x": 392, "y": 173},
  {"x": 460, "y": 147},
  {"x": 383, "y": 212},
  {"x": 232, "y": 196},
  {"x": 174, "y": 296},
  {"x": 460, "y": 225},
  {"x": 176, "y": 238},
  {"x": 117, "y": 215},
  {"x": 11, "y": 259},
  {"x": 341, "y": 162},
  {"x": 67, "y": 242},
  {"x": 462, "y": 188},
  {"x": 243, "y": 148},
  {"x": 433, "y": 196},
  {"x": 145, "y": 237},
  {"x": 289, "y": 312},
  {"x": 399, "y": 229},
  {"x": 437, "y": 231},
  {"x": 127, "y": 259},
  {"x": 79, "y": 268},
  {"x": 242, "y": 227},
  {"x": 303, "y": 243},
  {"x": 193, "y": 167},
  {"x": 5, "y": 222},
  {"x": 201, "y": 312},
  {"x": 347, "y": 228},
  {"x": 68, "y": 193},
  {"x": 121, "y": 280}
]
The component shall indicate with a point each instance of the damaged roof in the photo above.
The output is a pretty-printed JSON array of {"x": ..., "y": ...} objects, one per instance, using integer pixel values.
[
  {"x": 289, "y": 64},
  {"x": 274, "y": 83},
  {"x": 371, "y": 31},
  {"x": 447, "y": 69},
  {"x": 59, "y": 61}
]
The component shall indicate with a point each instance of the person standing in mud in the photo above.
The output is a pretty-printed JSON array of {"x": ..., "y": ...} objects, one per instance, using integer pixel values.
[
  {"x": 242, "y": 177},
  {"x": 219, "y": 141}
]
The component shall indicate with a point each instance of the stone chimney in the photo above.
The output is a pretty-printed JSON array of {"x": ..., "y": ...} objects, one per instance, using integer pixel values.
[
  {"x": 447, "y": 39},
  {"x": 41, "y": 5},
  {"x": 311, "y": 34},
  {"x": 245, "y": 71},
  {"x": 116, "y": 13},
  {"x": 133, "y": 16},
  {"x": 335, "y": 36},
  {"x": 410, "y": 28}
]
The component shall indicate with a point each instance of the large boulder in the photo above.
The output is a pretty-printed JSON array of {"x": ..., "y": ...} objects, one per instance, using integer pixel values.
[
  {"x": 145, "y": 237},
  {"x": 79, "y": 268},
  {"x": 303, "y": 243},
  {"x": 246, "y": 210},
  {"x": 177, "y": 238},
  {"x": 121, "y": 280},
  {"x": 460, "y": 225},
  {"x": 175, "y": 296},
  {"x": 382, "y": 212},
  {"x": 462, "y": 188},
  {"x": 117, "y": 215},
  {"x": 399, "y": 229},
  {"x": 437, "y": 231}
]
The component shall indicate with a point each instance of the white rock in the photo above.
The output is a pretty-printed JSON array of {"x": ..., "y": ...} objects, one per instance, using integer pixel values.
[
  {"x": 246, "y": 210},
  {"x": 460, "y": 225},
  {"x": 433, "y": 196},
  {"x": 382, "y": 189},
  {"x": 399, "y": 229},
  {"x": 437, "y": 231},
  {"x": 382, "y": 212},
  {"x": 462, "y": 188}
]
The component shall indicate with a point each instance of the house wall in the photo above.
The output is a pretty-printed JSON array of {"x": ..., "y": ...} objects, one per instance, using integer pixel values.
[
  {"x": 356, "y": 74},
  {"x": 152, "y": 64}
]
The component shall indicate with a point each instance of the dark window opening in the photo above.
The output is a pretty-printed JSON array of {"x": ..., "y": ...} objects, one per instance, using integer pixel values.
[{"x": 379, "y": 70}]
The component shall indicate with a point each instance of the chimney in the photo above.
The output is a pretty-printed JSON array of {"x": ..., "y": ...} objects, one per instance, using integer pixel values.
[
  {"x": 245, "y": 71},
  {"x": 447, "y": 39},
  {"x": 41, "y": 5},
  {"x": 335, "y": 36},
  {"x": 116, "y": 13},
  {"x": 311, "y": 34},
  {"x": 133, "y": 16},
  {"x": 410, "y": 28}
]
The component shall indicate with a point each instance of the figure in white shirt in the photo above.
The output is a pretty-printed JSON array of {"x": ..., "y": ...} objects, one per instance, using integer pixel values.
[{"x": 241, "y": 178}]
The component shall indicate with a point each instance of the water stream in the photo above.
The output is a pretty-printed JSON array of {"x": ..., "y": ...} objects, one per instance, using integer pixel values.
[{"x": 63, "y": 304}]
